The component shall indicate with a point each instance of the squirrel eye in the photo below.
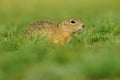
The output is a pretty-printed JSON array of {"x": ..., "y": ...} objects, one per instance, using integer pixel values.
[{"x": 73, "y": 22}]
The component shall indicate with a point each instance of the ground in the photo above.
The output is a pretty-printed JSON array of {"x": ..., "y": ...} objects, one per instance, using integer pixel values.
[{"x": 92, "y": 54}]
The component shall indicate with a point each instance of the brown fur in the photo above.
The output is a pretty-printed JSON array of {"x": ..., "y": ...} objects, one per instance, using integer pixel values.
[{"x": 55, "y": 34}]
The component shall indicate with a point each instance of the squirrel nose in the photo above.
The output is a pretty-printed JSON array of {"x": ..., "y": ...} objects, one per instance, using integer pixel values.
[{"x": 83, "y": 26}]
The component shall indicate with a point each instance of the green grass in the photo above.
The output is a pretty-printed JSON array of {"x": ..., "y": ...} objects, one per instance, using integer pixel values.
[{"x": 92, "y": 54}]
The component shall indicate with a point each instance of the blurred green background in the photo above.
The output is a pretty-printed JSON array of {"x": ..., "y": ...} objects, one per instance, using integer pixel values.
[{"x": 92, "y": 54}]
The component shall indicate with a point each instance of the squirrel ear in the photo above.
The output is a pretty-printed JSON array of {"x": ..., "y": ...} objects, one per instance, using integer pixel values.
[{"x": 64, "y": 23}]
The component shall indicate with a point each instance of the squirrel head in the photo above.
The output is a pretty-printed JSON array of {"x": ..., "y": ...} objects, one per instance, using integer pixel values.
[{"x": 71, "y": 25}]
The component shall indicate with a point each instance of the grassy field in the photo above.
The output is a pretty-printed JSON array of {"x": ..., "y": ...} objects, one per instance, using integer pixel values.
[{"x": 92, "y": 54}]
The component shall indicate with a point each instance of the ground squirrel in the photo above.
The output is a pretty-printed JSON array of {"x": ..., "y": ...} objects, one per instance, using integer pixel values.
[{"x": 58, "y": 34}]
